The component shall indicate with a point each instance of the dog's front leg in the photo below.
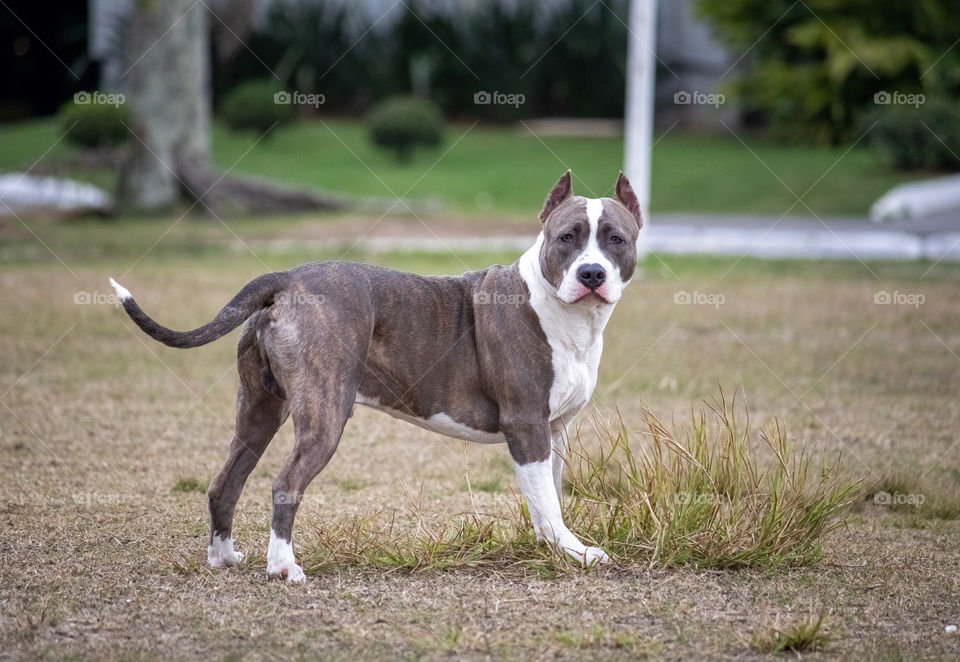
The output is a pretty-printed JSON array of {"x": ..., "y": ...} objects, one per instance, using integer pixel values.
[
  {"x": 560, "y": 445},
  {"x": 531, "y": 448}
]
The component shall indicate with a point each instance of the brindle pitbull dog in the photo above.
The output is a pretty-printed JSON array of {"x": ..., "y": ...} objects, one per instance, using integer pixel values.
[{"x": 505, "y": 354}]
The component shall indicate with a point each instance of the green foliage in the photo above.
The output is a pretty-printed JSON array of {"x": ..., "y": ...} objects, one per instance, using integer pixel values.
[
  {"x": 922, "y": 137},
  {"x": 256, "y": 106},
  {"x": 315, "y": 49},
  {"x": 813, "y": 67},
  {"x": 94, "y": 124},
  {"x": 548, "y": 52},
  {"x": 799, "y": 637},
  {"x": 402, "y": 124}
]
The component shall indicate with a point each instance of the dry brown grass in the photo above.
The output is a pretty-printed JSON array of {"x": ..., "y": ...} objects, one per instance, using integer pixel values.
[
  {"x": 699, "y": 497},
  {"x": 102, "y": 557}
]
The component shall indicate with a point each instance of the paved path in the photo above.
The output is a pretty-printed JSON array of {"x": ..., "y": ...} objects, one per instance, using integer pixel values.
[
  {"x": 755, "y": 236},
  {"x": 851, "y": 238}
]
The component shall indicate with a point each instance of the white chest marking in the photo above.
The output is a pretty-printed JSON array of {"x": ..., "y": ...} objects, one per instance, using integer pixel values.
[{"x": 575, "y": 334}]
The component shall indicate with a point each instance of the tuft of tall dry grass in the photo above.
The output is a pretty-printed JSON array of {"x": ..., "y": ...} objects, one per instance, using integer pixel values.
[
  {"x": 708, "y": 493},
  {"x": 712, "y": 493}
]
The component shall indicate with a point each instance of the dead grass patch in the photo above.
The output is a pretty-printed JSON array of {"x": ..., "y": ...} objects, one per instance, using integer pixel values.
[
  {"x": 920, "y": 498},
  {"x": 712, "y": 493}
]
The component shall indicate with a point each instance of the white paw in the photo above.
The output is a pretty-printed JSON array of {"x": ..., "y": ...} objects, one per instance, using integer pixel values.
[
  {"x": 224, "y": 561},
  {"x": 290, "y": 571},
  {"x": 280, "y": 561},
  {"x": 588, "y": 556},
  {"x": 221, "y": 554}
]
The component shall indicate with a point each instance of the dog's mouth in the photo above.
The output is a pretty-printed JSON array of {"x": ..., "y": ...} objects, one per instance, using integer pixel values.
[{"x": 587, "y": 297}]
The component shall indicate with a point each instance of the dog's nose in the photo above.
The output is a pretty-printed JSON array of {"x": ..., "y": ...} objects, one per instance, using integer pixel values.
[{"x": 591, "y": 275}]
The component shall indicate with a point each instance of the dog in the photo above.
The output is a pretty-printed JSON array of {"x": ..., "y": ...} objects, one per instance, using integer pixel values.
[{"x": 507, "y": 354}]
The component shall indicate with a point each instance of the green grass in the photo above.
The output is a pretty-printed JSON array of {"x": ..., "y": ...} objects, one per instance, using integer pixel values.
[
  {"x": 799, "y": 637},
  {"x": 190, "y": 485},
  {"x": 507, "y": 170}
]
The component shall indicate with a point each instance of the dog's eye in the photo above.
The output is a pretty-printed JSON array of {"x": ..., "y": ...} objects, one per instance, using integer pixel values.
[
  {"x": 615, "y": 239},
  {"x": 566, "y": 238}
]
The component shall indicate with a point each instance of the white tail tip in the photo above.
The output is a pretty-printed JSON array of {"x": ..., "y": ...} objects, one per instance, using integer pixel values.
[{"x": 122, "y": 292}]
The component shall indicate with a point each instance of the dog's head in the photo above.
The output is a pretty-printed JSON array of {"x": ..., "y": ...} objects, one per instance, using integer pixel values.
[{"x": 589, "y": 249}]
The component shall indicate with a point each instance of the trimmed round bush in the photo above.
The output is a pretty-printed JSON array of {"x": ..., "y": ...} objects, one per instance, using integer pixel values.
[
  {"x": 901, "y": 138},
  {"x": 89, "y": 123},
  {"x": 256, "y": 105},
  {"x": 402, "y": 124}
]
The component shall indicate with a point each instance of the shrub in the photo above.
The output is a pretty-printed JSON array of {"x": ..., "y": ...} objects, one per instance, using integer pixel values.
[
  {"x": 256, "y": 105},
  {"x": 925, "y": 137},
  {"x": 401, "y": 124},
  {"x": 94, "y": 124}
]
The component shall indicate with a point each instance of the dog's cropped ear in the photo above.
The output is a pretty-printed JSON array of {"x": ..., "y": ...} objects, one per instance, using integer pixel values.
[
  {"x": 628, "y": 198},
  {"x": 560, "y": 192}
]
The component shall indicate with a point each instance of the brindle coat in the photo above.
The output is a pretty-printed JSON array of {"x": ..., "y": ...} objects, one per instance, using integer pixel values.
[{"x": 318, "y": 335}]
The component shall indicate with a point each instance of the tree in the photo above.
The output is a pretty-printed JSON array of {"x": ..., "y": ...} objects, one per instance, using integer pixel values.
[
  {"x": 166, "y": 56},
  {"x": 814, "y": 68},
  {"x": 166, "y": 79}
]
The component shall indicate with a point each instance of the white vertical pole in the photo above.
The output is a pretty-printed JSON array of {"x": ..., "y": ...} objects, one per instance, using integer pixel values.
[{"x": 638, "y": 122}]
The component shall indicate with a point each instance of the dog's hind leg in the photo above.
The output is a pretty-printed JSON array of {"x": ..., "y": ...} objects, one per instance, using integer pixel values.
[
  {"x": 319, "y": 413},
  {"x": 259, "y": 415}
]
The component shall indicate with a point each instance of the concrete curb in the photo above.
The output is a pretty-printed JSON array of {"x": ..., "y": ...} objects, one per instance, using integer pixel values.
[{"x": 683, "y": 240}]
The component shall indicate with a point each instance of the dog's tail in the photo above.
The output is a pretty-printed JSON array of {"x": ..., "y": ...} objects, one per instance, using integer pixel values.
[{"x": 255, "y": 295}]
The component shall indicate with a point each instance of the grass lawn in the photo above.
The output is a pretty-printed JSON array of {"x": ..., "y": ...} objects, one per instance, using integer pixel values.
[
  {"x": 506, "y": 170},
  {"x": 107, "y": 440}
]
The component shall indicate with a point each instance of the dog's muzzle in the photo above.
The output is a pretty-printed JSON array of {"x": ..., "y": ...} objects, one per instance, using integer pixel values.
[{"x": 591, "y": 276}]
